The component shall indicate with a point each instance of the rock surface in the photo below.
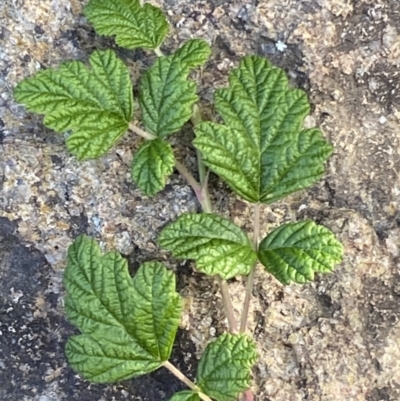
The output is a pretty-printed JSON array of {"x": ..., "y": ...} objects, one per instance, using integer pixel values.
[{"x": 335, "y": 339}]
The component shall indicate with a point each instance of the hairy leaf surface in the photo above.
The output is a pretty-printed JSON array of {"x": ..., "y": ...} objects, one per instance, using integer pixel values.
[
  {"x": 194, "y": 53},
  {"x": 96, "y": 104},
  {"x": 128, "y": 325},
  {"x": 216, "y": 244},
  {"x": 151, "y": 165},
  {"x": 262, "y": 152},
  {"x": 132, "y": 25},
  {"x": 295, "y": 251},
  {"x": 166, "y": 96},
  {"x": 186, "y": 395},
  {"x": 224, "y": 369}
]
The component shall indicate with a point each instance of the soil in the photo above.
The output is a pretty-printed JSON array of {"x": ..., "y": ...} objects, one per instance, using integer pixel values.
[{"x": 337, "y": 338}]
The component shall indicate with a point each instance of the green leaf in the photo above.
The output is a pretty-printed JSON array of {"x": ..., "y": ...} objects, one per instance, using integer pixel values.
[
  {"x": 186, "y": 395},
  {"x": 132, "y": 25},
  {"x": 262, "y": 152},
  {"x": 194, "y": 53},
  {"x": 128, "y": 325},
  {"x": 225, "y": 367},
  {"x": 166, "y": 96},
  {"x": 295, "y": 251},
  {"x": 152, "y": 164},
  {"x": 216, "y": 244},
  {"x": 96, "y": 104}
]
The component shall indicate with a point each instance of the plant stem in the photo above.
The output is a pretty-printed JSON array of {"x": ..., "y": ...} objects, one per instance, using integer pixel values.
[
  {"x": 185, "y": 380},
  {"x": 196, "y": 186},
  {"x": 207, "y": 208},
  {"x": 202, "y": 195},
  {"x": 228, "y": 307},
  {"x": 250, "y": 277},
  {"x": 158, "y": 52},
  {"x": 196, "y": 119},
  {"x": 144, "y": 134}
]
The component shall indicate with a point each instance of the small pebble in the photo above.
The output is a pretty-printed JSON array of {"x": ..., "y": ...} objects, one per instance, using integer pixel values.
[{"x": 382, "y": 120}]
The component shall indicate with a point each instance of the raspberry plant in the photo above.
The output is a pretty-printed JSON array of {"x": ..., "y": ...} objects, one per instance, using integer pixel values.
[{"x": 261, "y": 151}]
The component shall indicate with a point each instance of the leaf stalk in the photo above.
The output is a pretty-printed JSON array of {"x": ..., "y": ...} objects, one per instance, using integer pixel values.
[
  {"x": 205, "y": 201},
  {"x": 144, "y": 134},
  {"x": 200, "y": 192},
  {"x": 158, "y": 52},
  {"x": 185, "y": 380},
  {"x": 250, "y": 277},
  {"x": 202, "y": 195}
]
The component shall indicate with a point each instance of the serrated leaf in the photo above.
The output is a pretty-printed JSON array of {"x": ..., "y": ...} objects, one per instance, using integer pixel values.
[
  {"x": 166, "y": 96},
  {"x": 193, "y": 53},
  {"x": 186, "y": 395},
  {"x": 96, "y": 104},
  {"x": 128, "y": 325},
  {"x": 216, "y": 244},
  {"x": 295, "y": 251},
  {"x": 132, "y": 25},
  {"x": 262, "y": 152},
  {"x": 224, "y": 369},
  {"x": 151, "y": 166}
]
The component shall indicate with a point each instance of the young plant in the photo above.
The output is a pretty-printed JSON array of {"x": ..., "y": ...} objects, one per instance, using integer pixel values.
[{"x": 261, "y": 151}]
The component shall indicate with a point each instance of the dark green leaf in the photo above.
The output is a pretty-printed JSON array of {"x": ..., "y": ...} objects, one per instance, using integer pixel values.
[
  {"x": 151, "y": 165},
  {"x": 262, "y": 152},
  {"x": 166, "y": 96},
  {"x": 128, "y": 325},
  {"x": 132, "y": 25},
  {"x": 225, "y": 367},
  {"x": 194, "y": 53},
  {"x": 216, "y": 244},
  {"x": 295, "y": 251},
  {"x": 96, "y": 104}
]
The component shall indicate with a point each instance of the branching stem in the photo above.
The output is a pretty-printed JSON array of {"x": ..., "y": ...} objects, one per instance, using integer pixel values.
[
  {"x": 185, "y": 380},
  {"x": 207, "y": 208},
  {"x": 250, "y": 277},
  {"x": 185, "y": 173},
  {"x": 201, "y": 192}
]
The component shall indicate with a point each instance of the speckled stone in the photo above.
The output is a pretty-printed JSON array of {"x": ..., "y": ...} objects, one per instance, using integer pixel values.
[{"x": 335, "y": 339}]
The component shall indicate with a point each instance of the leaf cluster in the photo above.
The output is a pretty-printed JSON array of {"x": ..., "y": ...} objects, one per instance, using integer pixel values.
[{"x": 259, "y": 148}]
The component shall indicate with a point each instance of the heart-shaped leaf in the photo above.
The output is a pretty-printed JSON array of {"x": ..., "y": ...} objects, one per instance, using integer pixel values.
[
  {"x": 262, "y": 152},
  {"x": 128, "y": 325}
]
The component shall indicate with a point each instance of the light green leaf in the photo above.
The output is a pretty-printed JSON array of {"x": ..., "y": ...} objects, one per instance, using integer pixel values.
[
  {"x": 96, "y": 104},
  {"x": 216, "y": 244},
  {"x": 166, "y": 96},
  {"x": 186, "y": 395},
  {"x": 295, "y": 251},
  {"x": 262, "y": 152},
  {"x": 225, "y": 367},
  {"x": 128, "y": 325},
  {"x": 194, "y": 53},
  {"x": 132, "y": 25},
  {"x": 151, "y": 165}
]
